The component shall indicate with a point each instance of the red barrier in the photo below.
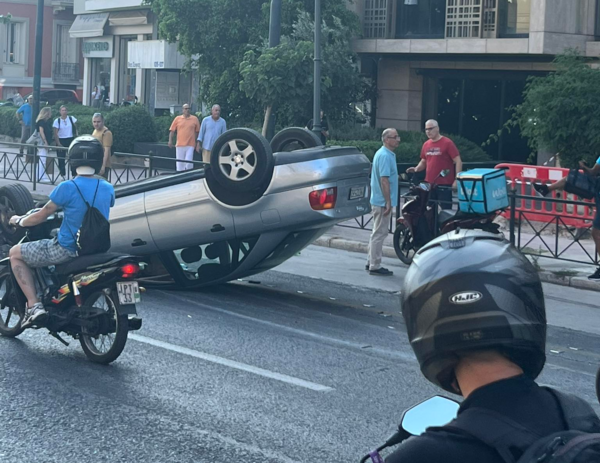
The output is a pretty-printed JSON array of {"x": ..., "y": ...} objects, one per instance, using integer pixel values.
[{"x": 522, "y": 176}]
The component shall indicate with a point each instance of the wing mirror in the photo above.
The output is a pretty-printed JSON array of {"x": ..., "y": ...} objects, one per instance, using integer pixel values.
[
  {"x": 404, "y": 177},
  {"x": 436, "y": 411}
]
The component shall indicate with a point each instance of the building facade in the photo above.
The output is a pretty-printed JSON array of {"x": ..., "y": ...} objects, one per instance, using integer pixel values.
[
  {"x": 62, "y": 64},
  {"x": 465, "y": 62},
  {"x": 124, "y": 59}
]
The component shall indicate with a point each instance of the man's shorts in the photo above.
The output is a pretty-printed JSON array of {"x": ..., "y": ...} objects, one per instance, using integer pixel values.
[{"x": 44, "y": 253}]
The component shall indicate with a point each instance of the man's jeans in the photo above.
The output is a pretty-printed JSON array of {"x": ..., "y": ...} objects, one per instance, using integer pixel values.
[{"x": 378, "y": 235}]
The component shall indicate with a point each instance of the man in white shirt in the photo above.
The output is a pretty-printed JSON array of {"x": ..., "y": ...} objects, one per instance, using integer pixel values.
[
  {"x": 212, "y": 126},
  {"x": 65, "y": 132}
]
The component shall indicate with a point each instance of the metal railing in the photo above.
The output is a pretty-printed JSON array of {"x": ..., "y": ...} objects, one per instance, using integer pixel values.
[
  {"x": 31, "y": 166},
  {"x": 65, "y": 72}
]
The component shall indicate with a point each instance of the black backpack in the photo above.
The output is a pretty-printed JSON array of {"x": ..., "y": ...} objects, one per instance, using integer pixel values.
[
  {"x": 517, "y": 444},
  {"x": 94, "y": 235}
]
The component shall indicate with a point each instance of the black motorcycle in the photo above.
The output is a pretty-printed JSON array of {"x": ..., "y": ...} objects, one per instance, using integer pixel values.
[{"x": 91, "y": 298}]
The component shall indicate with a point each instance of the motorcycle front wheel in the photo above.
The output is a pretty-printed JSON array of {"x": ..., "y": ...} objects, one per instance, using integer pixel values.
[
  {"x": 404, "y": 244},
  {"x": 101, "y": 347},
  {"x": 10, "y": 312}
]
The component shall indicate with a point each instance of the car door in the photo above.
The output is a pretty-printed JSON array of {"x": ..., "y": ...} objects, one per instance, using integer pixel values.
[{"x": 186, "y": 215}]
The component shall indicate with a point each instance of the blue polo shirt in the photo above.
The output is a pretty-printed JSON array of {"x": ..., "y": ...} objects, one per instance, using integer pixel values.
[
  {"x": 384, "y": 165},
  {"x": 25, "y": 109},
  {"x": 210, "y": 131}
]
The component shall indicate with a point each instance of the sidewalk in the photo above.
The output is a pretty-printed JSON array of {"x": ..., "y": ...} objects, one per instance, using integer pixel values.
[{"x": 554, "y": 271}]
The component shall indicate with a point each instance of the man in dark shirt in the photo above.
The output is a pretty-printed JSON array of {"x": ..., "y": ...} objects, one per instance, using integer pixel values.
[{"x": 476, "y": 320}]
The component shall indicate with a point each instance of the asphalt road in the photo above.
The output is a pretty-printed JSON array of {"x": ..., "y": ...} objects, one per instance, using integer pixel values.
[{"x": 292, "y": 369}]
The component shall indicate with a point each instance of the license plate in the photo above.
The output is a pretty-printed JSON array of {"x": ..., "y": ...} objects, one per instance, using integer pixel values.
[
  {"x": 357, "y": 192},
  {"x": 129, "y": 292}
]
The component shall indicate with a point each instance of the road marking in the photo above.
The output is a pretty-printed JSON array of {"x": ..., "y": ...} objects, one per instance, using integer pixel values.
[{"x": 231, "y": 364}]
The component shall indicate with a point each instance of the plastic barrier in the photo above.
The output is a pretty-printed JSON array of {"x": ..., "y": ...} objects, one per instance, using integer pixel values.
[{"x": 522, "y": 176}]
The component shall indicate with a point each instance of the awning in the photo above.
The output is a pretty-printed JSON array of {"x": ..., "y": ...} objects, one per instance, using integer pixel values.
[
  {"x": 128, "y": 18},
  {"x": 88, "y": 25}
]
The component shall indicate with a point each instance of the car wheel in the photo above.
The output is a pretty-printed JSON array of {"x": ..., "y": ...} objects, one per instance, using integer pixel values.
[
  {"x": 15, "y": 199},
  {"x": 241, "y": 160},
  {"x": 294, "y": 138}
]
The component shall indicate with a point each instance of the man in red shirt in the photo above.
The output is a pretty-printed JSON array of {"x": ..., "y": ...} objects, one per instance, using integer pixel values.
[{"x": 439, "y": 153}]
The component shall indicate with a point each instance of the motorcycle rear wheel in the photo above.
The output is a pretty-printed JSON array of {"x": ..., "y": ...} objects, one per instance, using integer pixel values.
[
  {"x": 10, "y": 314},
  {"x": 404, "y": 244},
  {"x": 105, "y": 348}
]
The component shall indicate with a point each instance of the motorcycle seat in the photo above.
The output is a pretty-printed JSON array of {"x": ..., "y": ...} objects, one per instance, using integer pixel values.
[
  {"x": 81, "y": 263},
  {"x": 444, "y": 215}
]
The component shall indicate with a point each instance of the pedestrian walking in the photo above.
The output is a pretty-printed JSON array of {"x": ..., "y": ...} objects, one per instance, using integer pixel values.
[
  {"x": 43, "y": 124},
  {"x": 96, "y": 97},
  {"x": 384, "y": 195},
  {"x": 439, "y": 153},
  {"x": 324, "y": 128},
  {"x": 104, "y": 136},
  {"x": 23, "y": 114},
  {"x": 212, "y": 126},
  {"x": 65, "y": 132},
  {"x": 187, "y": 127}
]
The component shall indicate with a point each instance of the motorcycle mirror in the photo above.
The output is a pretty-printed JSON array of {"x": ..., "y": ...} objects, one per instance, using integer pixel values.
[
  {"x": 444, "y": 172},
  {"x": 404, "y": 177},
  {"x": 436, "y": 411}
]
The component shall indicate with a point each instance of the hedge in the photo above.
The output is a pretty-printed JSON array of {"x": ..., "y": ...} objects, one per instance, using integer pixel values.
[
  {"x": 409, "y": 149},
  {"x": 9, "y": 125},
  {"x": 130, "y": 125}
]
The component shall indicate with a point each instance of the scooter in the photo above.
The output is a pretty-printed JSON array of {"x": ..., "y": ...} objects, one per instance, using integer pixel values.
[
  {"x": 418, "y": 225},
  {"x": 91, "y": 298},
  {"x": 436, "y": 411}
]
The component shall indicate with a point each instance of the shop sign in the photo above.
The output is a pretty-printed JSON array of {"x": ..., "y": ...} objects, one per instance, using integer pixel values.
[{"x": 97, "y": 47}]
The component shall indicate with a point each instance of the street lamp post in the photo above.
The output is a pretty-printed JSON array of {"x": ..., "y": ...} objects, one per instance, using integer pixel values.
[
  {"x": 37, "y": 69},
  {"x": 317, "y": 72},
  {"x": 274, "y": 40}
]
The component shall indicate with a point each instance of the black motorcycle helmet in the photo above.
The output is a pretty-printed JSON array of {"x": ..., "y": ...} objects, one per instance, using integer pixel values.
[
  {"x": 85, "y": 151},
  {"x": 471, "y": 290}
]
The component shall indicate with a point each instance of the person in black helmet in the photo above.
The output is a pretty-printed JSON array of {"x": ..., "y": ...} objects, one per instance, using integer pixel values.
[
  {"x": 476, "y": 320},
  {"x": 85, "y": 158}
]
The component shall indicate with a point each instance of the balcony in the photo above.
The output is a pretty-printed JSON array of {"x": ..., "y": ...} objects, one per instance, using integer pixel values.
[{"x": 65, "y": 73}]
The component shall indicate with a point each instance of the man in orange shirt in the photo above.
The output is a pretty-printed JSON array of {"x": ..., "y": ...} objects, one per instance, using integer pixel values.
[{"x": 187, "y": 127}]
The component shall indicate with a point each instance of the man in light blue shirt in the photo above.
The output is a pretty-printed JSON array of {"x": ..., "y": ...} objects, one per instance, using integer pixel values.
[
  {"x": 24, "y": 116},
  {"x": 384, "y": 195},
  {"x": 212, "y": 126}
]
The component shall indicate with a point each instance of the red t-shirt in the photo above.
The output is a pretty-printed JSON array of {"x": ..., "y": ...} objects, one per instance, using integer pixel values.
[{"x": 439, "y": 155}]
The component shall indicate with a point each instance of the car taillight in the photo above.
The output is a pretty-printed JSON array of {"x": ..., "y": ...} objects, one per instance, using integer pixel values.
[
  {"x": 323, "y": 199},
  {"x": 130, "y": 270}
]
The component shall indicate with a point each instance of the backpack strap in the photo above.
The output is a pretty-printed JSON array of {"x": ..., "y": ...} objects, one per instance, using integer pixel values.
[
  {"x": 577, "y": 413},
  {"x": 495, "y": 430},
  {"x": 73, "y": 127},
  {"x": 80, "y": 194},
  {"x": 95, "y": 193}
]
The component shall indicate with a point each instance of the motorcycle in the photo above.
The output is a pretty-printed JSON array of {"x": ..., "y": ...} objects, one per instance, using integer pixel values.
[
  {"x": 91, "y": 298},
  {"x": 418, "y": 224},
  {"x": 436, "y": 411}
]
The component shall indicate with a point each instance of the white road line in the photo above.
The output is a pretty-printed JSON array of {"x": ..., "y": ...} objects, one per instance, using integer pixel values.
[{"x": 231, "y": 363}]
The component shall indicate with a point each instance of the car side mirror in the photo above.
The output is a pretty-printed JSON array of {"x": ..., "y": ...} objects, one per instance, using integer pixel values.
[{"x": 436, "y": 411}]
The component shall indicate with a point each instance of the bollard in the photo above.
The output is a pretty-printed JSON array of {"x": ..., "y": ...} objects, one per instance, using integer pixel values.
[{"x": 150, "y": 163}]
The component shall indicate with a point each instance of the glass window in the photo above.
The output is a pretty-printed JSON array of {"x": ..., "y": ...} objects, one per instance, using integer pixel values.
[
  {"x": 100, "y": 77},
  {"x": 15, "y": 46},
  {"x": 420, "y": 18},
  {"x": 513, "y": 16},
  {"x": 598, "y": 19}
]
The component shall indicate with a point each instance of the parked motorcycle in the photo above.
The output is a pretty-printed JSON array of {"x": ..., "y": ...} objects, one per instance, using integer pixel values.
[
  {"x": 436, "y": 411},
  {"x": 417, "y": 225},
  {"x": 91, "y": 298}
]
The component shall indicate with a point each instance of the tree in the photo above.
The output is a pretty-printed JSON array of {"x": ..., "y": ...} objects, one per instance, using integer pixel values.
[
  {"x": 561, "y": 111},
  {"x": 217, "y": 35},
  {"x": 5, "y": 19}
]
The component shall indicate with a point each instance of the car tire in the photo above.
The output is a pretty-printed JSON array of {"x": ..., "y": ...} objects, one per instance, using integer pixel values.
[
  {"x": 15, "y": 199},
  {"x": 294, "y": 138},
  {"x": 241, "y": 160}
]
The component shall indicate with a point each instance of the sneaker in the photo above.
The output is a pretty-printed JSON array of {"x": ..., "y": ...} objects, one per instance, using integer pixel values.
[
  {"x": 381, "y": 272},
  {"x": 541, "y": 188},
  {"x": 34, "y": 315},
  {"x": 595, "y": 275}
]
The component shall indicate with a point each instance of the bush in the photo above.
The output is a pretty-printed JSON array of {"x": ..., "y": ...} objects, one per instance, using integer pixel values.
[
  {"x": 409, "y": 149},
  {"x": 163, "y": 124},
  {"x": 9, "y": 125},
  {"x": 129, "y": 125}
]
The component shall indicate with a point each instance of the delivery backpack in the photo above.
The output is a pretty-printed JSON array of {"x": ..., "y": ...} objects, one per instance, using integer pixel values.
[
  {"x": 580, "y": 443},
  {"x": 94, "y": 235}
]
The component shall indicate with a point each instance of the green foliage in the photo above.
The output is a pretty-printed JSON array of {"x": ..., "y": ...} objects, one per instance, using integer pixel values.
[
  {"x": 409, "y": 149},
  {"x": 561, "y": 111},
  {"x": 9, "y": 125},
  {"x": 163, "y": 124},
  {"x": 129, "y": 125},
  {"x": 5, "y": 19}
]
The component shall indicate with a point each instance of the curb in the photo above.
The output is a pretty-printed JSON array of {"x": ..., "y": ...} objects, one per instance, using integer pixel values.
[{"x": 388, "y": 251}]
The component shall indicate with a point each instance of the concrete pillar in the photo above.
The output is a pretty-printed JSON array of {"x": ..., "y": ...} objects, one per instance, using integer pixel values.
[{"x": 87, "y": 92}]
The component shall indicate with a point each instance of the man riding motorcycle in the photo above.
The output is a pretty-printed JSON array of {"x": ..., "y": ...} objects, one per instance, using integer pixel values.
[
  {"x": 85, "y": 158},
  {"x": 476, "y": 320}
]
